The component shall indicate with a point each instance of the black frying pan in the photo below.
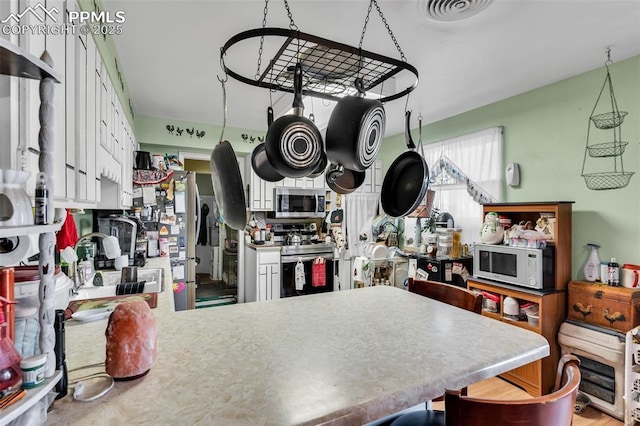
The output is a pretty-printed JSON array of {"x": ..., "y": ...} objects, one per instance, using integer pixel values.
[
  {"x": 293, "y": 143},
  {"x": 259, "y": 161},
  {"x": 406, "y": 181},
  {"x": 227, "y": 180}
]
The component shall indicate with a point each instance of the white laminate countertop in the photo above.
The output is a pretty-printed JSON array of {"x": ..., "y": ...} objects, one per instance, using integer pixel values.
[{"x": 345, "y": 357}]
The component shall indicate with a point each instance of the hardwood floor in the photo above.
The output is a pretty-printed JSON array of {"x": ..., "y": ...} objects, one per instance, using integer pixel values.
[{"x": 497, "y": 388}]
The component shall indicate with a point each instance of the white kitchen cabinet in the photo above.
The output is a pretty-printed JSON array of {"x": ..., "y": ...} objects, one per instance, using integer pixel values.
[
  {"x": 304, "y": 182},
  {"x": 262, "y": 274},
  {"x": 91, "y": 119},
  {"x": 373, "y": 179},
  {"x": 260, "y": 196}
]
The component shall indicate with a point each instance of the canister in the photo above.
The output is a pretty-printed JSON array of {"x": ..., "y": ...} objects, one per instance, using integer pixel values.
[{"x": 33, "y": 371}]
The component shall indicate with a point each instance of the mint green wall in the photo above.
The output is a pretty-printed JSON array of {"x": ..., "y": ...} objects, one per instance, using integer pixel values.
[
  {"x": 152, "y": 134},
  {"x": 545, "y": 131}
]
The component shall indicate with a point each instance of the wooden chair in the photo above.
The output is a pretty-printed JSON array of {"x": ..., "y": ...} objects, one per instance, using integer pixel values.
[
  {"x": 555, "y": 408},
  {"x": 449, "y": 294}
]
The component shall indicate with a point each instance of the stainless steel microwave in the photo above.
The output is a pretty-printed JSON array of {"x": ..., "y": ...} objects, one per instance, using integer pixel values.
[
  {"x": 521, "y": 266},
  {"x": 298, "y": 202}
]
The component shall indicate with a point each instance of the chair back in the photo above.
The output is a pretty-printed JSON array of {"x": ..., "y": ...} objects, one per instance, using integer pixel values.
[
  {"x": 555, "y": 408},
  {"x": 449, "y": 294}
]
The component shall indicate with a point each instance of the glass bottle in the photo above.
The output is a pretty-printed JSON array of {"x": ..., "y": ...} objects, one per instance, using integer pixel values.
[{"x": 10, "y": 373}]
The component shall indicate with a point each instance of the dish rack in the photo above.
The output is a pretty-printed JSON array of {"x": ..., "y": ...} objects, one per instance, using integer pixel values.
[{"x": 611, "y": 150}]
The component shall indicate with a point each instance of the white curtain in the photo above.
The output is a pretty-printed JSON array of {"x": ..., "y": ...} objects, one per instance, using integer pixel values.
[
  {"x": 479, "y": 156},
  {"x": 360, "y": 209}
]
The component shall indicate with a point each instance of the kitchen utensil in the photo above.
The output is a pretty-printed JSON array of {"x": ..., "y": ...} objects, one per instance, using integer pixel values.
[
  {"x": 226, "y": 178},
  {"x": 143, "y": 160},
  {"x": 407, "y": 180},
  {"x": 259, "y": 161},
  {"x": 293, "y": 143},
  {"x": 343, "y": 181},
  {"x": 15, "y": 205},
  {"x": 355, "y": 130}
]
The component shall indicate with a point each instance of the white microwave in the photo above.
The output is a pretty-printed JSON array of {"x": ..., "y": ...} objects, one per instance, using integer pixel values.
[
  {"x": 298, "y": 202},
  {"x": 521, "y": 266}
]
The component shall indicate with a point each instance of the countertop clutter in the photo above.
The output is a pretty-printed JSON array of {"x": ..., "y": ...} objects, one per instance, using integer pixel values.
[{"x": 251, "y": 364}]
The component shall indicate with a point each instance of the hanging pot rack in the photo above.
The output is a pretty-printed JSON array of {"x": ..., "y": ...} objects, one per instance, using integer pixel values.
[{"x": 330, "y": 68}]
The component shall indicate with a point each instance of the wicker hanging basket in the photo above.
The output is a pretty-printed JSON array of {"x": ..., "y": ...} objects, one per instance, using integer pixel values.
[{"x": 612, "y": 150}]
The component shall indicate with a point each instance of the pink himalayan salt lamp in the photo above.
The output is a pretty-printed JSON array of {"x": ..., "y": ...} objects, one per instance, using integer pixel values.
[{"x": 132, "y": 344}]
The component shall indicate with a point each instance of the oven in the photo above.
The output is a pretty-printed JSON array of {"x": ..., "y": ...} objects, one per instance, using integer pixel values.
[
  {"x": 314, "y": 276},
  {"x": 602, "y": 363}
]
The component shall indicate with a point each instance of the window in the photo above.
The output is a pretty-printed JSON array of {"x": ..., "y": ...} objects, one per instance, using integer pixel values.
[{"x": 457, "y": 165}]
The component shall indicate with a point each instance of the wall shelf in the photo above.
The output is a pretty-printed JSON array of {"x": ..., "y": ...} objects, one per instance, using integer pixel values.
[
  {"x": 33, "y": 395},
  {"x": 16, "y": 62},
  {"x": 14, "y": 231}
]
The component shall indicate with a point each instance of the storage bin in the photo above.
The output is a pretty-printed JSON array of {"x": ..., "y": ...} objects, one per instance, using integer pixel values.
[{"x": 532, "y": 319}]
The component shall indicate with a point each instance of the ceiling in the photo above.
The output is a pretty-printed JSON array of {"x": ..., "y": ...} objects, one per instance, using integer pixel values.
[{"x": 169, "y": 52}]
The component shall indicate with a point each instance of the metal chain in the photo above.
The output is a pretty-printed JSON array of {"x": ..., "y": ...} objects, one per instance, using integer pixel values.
[
  {"x": 264, "y": 24},
  {"x": 386, "y": 25},
  {"x": 292, "y": 25},
  {"x": 364, "y": 27}
]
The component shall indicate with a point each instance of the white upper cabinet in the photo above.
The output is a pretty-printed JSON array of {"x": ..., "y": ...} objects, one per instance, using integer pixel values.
[{"x": 93, "y": 139}]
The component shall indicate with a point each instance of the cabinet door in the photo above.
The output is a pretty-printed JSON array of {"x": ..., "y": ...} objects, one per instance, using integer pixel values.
[
  {"x": 81, "y": 117},
  {"x": 34, "y": 43},
  {"x": 91, "y": 119},
  {"x": 378, "y": 177},
  {"x": 275, "y": 281},
  {"x": 70, "y": 101}
]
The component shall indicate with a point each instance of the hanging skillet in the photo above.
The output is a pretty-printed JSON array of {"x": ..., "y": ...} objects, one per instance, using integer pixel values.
[
  {"x": 343, "y": 181},
  {"x": 226, "y": 178},
  {"x": 293, "y": 143},
  {"x": 407, "y": 180},
  {"x": 355, "y": 130},
  {"x": 259, "y": 161}
]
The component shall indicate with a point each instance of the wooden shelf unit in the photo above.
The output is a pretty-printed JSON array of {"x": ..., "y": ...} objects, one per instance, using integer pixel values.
[
  {"x": 537, "y": 377},
  {"x": 531, "y": 211}
]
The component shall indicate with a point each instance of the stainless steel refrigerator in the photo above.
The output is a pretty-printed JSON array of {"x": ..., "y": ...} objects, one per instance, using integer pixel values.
[{"x": 175, "y": 214}]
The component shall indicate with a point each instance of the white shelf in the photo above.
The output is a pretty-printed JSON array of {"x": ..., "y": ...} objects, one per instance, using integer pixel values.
[
  {"x": 14, "y": 231},
  {"x": 33, "y": 395},
  {"x": 15, "y": 61}
]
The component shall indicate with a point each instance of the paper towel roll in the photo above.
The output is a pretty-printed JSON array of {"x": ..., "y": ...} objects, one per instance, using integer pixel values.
[{"x": 14, "y": 250}]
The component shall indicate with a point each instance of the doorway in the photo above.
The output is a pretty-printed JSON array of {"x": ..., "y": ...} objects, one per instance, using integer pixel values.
[{"x": 218, "y": 266}]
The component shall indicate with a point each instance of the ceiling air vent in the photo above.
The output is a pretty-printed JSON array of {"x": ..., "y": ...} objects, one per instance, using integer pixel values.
[{"x": 451, "y": 10}]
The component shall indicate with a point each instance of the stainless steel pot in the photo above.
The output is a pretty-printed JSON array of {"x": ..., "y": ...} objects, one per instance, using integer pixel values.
[{"x": 355, "y": 131}]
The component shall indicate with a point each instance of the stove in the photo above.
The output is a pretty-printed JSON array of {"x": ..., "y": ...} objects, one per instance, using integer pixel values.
[
  {"x": 308, "y": 248},
  {"x": 309, "y": 245}
]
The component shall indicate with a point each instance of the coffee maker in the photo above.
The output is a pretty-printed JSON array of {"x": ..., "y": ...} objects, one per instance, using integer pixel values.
[{"x": 125, "y": 230}]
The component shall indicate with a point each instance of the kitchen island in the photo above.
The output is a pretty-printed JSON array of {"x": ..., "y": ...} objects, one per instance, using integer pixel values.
[{"x": 345, "y": 357}]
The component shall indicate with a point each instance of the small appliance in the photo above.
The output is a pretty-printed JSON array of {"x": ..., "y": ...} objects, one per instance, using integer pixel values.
[
  {"x": 298, "y": 202},
  {"x": 521, "y": 266},
  {"x": 124, "y": 229}
]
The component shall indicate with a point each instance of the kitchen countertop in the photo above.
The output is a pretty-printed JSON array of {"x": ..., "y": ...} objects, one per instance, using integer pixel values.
[{"x": 344, "y": 357}]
